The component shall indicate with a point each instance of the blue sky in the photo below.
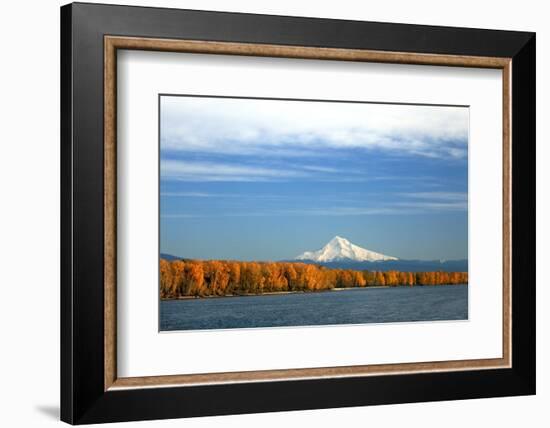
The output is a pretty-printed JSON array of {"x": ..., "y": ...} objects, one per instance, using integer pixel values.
[{"x": 248, "y": 179}]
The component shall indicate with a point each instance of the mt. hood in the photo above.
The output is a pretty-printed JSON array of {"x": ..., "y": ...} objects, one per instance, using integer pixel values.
[{"x": 340, "y": 249}]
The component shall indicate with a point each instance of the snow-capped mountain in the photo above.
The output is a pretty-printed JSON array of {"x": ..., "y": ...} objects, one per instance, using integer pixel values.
[{"x": 340, "y": 249}]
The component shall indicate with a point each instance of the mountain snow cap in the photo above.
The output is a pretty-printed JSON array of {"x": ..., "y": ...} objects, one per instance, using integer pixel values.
[{"x": 340, "y": 249}]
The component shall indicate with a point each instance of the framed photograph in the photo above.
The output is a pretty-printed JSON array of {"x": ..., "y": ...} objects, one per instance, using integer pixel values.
[{"x": 266, "y": 213}]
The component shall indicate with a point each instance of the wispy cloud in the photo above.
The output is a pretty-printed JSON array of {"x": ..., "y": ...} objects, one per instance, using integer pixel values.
[
  {"x": 181, "y": 215},
  {"x": 194, "y": 195},
  {"x": 394, "y": 208},
  {"x": 227, "y": 195},
  {"x": 439, "y": 196},
  {"x": 434, "y": 206},
  {"x": 219, "y": 171},
  {"x": 211, "y": 171},
  {"x": 189, "y": 170},
  {"x": 296, "y": 128}
]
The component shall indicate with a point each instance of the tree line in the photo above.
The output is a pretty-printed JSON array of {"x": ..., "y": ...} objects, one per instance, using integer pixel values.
[{"x": 181, "y": 278}]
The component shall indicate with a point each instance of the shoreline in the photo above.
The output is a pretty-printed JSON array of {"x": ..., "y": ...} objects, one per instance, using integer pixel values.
[{"x": 271, "y": 293}]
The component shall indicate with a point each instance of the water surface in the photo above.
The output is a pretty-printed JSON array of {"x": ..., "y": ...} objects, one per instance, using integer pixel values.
[{"x": 352, "y": 306}]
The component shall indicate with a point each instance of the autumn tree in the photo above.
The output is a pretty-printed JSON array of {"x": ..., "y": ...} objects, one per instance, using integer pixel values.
[
  {"x": 165, "y": 278},
  {"x": 380, "y": 279},
  {"x": 194, "y": 279},
  {"x": 181, "y": 278}
]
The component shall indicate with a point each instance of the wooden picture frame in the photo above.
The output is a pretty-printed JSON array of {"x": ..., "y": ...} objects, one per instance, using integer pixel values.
[{"x": 91, "y": 390}]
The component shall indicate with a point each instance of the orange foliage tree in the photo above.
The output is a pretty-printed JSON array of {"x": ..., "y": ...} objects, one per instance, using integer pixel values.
[{"x": 182, "y": 278}]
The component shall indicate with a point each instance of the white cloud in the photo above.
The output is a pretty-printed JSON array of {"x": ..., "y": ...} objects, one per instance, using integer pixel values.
[
  {"x": 190, "y": 170},
  {"x": 219, "y": 171},
  {"x": 292, "y": 128}
]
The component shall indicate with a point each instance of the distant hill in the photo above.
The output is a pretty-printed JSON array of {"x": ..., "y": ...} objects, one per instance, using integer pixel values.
[
  {"x": 339, "y": 253},
  {"x": 399, "y": 265},
  {"x": 169, "y": 257},
  {"x": 382, "y": 265}
]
